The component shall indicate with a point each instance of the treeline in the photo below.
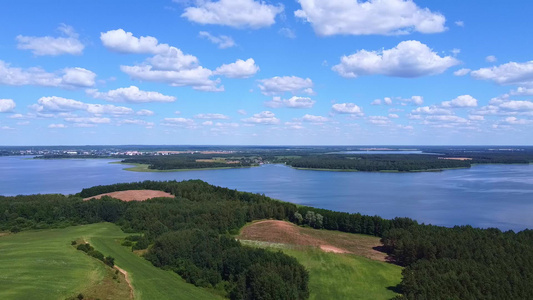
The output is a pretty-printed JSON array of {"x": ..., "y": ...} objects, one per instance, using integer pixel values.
[
  {"x": 462, "y": 262},
  {"x": 371, "y": 162},
  {"x": 183, "y": 162}
]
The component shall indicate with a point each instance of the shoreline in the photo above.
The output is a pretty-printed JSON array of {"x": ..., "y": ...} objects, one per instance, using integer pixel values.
[{"x": 144, "y": 168}]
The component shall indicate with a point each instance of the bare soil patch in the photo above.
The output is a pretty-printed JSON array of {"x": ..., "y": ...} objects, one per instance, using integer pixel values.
[
  {"x": 134, "y": 195},
  {"x": 275, "y": 231},
  {"x": 127, "y": 278}
]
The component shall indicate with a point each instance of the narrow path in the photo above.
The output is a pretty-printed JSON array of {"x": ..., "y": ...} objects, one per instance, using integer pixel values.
[{"x": 127, "y": 277}]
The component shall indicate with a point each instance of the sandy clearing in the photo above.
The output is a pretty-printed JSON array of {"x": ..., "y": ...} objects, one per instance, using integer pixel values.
[
  {"x": 127, "y": 277},
  {"x": 134, "y": 195},
  {"x": 282, "y": 232}
]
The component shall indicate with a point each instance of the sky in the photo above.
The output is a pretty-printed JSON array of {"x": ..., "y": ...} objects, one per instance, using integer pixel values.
[{"x": 245, "y": 72}]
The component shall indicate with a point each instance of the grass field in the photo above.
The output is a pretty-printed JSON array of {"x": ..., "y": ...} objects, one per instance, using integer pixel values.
[
  {"x": 43, "y": 264},
  {"x": 351, "y": 275}
]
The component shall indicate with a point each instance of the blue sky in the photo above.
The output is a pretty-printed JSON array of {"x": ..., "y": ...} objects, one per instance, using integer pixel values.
[{"x": 244, "y": 72}]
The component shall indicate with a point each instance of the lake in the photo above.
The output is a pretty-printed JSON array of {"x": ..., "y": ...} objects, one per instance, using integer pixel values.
[{"x": 482, "y": 196}]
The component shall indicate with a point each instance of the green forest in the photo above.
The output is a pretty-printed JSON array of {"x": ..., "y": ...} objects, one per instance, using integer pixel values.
[{"x": 191, "y": 235}]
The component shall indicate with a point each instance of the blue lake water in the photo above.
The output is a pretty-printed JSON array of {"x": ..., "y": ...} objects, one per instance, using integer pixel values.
[{"x": 482, "y": 196}]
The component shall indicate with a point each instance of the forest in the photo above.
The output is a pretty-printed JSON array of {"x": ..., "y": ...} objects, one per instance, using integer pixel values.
[
  {"x": 187, "y": 161},
  {"x": 191, "y": 235}
]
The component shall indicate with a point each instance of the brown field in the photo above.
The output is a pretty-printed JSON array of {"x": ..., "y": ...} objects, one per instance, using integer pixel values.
[
  {"x": 134, "y": 195},
  {"x": 282, "y": 232}
]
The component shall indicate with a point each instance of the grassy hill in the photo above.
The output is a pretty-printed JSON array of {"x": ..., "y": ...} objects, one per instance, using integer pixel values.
[
  {"x": 356, "y": 271},
  {"x": 44, "y": 263}
]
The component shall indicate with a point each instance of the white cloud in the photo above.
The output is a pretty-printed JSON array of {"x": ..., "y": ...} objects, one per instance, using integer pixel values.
[
  {"x": 393, "y": 116},
  {"x": 407, "y": 59},
  {"x": 415, "y": 100},
  {"x": 287, "y": 32},
  {"x": 461, "y": 72},
  {"x": 211, "y": 116},
  {"x": 238, "y": 69},
  {"x": 279, "y": 85},
  {"x": 522, "y": 91},
  {"x": 178, "y": 122},
  {"x": 461, "y": 101},
  {"x": 78, "y": 77},
  {"x": 491, "y": 58},
  {"x": 7, "y": 105},
  {"x": 145, "y": 112},
  {"x": 59, "y": 104},
  {"x": 130, "y": 94},
  {"x": 66, "y": 78},
  {"x": 447, "y": 118},
  {"x": 386, "y": 17},
  {"x": 379, "y": 120},
  {"x": 207, "y": 123},
  {"x": 386, "y": 101},
  {"x": 242, "y": 112},
  {"x": 431, "y": 110},
  {"x": 460, "y": 23},
  {"x": 47, "y": 45},
  {"x": 136, "y": 122},
  {"x": 198, "y": 78},
  {"x": 314, "y": 119},
  {"x": 108, "y": 109},
  {"x": 515, "y": 105},
  {"x": 265, "y": 117},
  {"x": 57, "y": 126},
  {"x": 91, "y": 120},
  {"x": 233, "y": 13},
  {"x": 509, "y": 73},
  {"x": 516, "y": 121},
  {"x": 347, "y": 108},
  {"x": 124, "y": 42},
  {"x": 293, "y": 102},
  {"x": 223, "y": 41}
]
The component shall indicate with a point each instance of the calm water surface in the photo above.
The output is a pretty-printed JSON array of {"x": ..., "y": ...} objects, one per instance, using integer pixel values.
[{"x": 483, "y": 196}]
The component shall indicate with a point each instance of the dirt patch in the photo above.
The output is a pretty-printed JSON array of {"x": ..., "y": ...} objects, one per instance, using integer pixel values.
[
  {"x": 127, "y": 278},
  {"x": 282, "y": 232},
  {"x": 134, "y": 195}
]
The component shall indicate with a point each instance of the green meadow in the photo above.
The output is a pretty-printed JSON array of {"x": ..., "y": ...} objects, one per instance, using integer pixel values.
[{"x": 43, "y": 265}]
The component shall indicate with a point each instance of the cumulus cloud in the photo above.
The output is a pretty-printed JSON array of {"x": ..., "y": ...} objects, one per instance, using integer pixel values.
[
  {"x": 476, "y": 118},
  {"x": 124, "y": 42},
  {"x": 461, "y": 72},
  {"x": 522, "y": 91},
  {"x": 59, "y": 104},
  {"x": 145, "y": 112},
  {"x": 7, "y": 105},
  {"x": 314, "y": 119},
  {"x": 347, "y": 108},
  {"x": 379, "y": 120},
  {"x": 197, "y": 78},
  {"x": 279, "y": 85},
  {"x": 238, "y": 69},
  {"x": 461, "y": 101},
  {"x": 66, "y": 78},
  {"x": 293, "y": 102},
  {"x": 89, "y": 120},
  {"x": 386, "y": 101},
  {"x": 516, "y": 121},
  {"x": 211, "y": 116},
  {"x": 393, "y": 116},
  {"x": 136, "y": 122},
  {"x": 168, "y": 65},
  {"x": 57, "y": 126},
  {"x": 385, "y": 17},
  {"x": 408, "y": 59},
  {"x": 491, "y": 58},
  {"x": 48, "y": 45},
  {"x": 265, "y": 117},
  {"x": 180, "y": 122},
  {"x": 222, "y": 41},
  {"x": 233, "y": 13},
  {"x": 130, "y": 94},
  {"x": 431, "y": 110},
  {"x": 509, "y": 73}
]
